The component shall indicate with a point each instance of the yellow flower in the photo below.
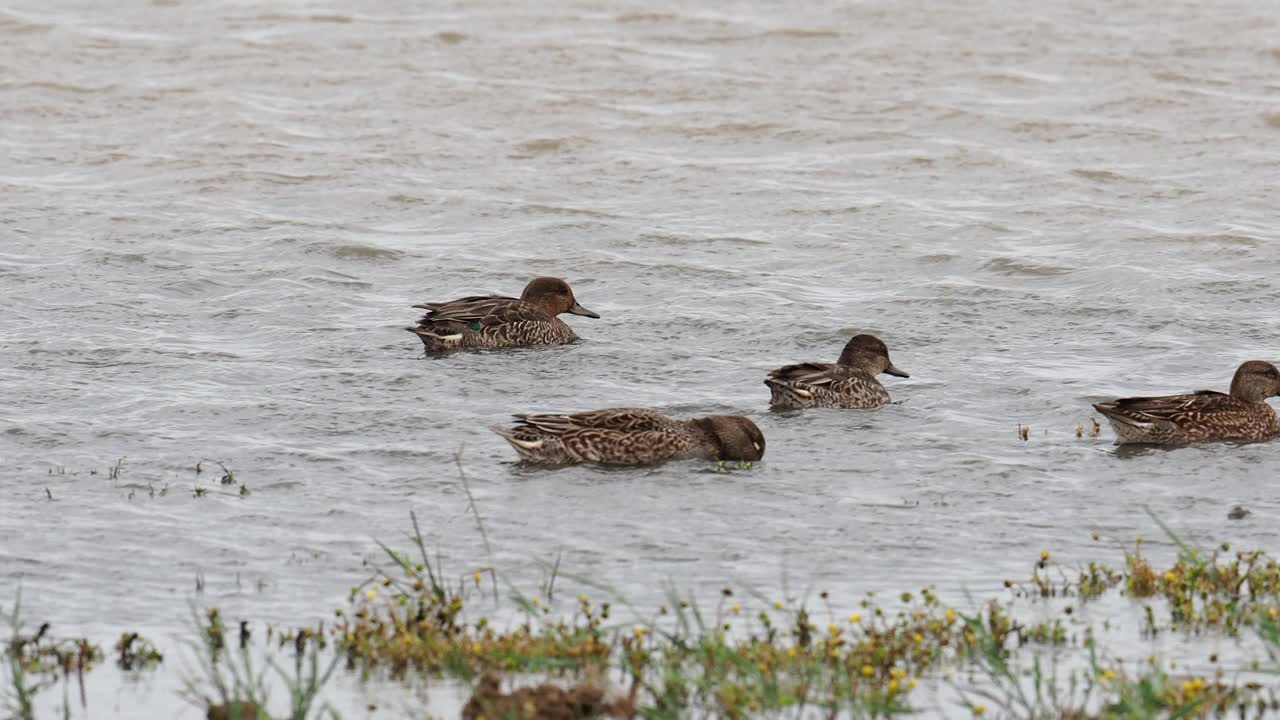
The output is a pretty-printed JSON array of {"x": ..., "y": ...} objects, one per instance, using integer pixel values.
[
  {"x": 736, "y": 608},
  {"x": 777, "y": 604},
  {"x": 833, "y": 629},
  {"x": 893, "y": 686},
  {"x": 535, "y": 600},
  {"x": 792, "y": 651},
  {"x": 855, "y": 618},
  {"x": 1107, "y": 675},
  {"x": 477, "y": 578},
  {"x": 951, "y": 616},
  {"x": 1272, "y": 613},
  {"x": 911, "y": 684},
  {"x": 1169, "y": 577},
  {"x": 583, "y": 599},
  {"x": 917, "y": 637},
  {"x": 979, "y": 710},
  {"x": 763, "y": 668},
  {"x": 897, "y": 673},
  {"x": 475, "y": 648},
  {"x": 371, "y": 594},
  {"x": 868, "y": 671},
  {"x": 1044, "y": 555}
]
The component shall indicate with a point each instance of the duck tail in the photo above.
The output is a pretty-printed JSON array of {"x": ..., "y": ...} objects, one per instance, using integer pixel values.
[
  {"x": 435, "y": 342},
  {"x": 1128, "y": 429},
  {"x": 786, "y": 395},
  {"x": 527, "y": 449}
]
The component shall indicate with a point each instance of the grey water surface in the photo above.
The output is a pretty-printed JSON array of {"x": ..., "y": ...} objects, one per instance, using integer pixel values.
[{"x": 214, "y": 218}]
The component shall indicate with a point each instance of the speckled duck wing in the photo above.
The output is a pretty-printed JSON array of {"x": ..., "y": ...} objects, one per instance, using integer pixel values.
[
  {"x": 1175, "y": 419},
  {"x": 489, "y": 322},
  {"x": 608, "y": 447},
  {"x": 621, "y": 419},
  {"x": 806, "y": 385}
]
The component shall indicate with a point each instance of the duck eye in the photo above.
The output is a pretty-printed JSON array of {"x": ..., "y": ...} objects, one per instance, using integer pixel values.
[{"x": 756, "y": 444}]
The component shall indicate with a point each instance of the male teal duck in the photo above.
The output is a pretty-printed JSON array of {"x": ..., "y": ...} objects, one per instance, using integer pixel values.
[
  {"x": 490, "y": 322},
  {"x": 631, "y": 436},
  {"x": 1203, "y": 416},
  {"x": 849, "y": 383}
]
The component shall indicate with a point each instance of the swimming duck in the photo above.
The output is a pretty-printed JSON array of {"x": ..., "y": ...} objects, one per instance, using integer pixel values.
[
  {"x": 489, "y": 322},
  {"x": 1202, "y": 416},
  {"x": 631, "y": 436},
  {"x": 849, "y": 383}
]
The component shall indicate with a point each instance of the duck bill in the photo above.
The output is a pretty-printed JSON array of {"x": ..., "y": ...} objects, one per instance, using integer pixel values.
[
  {"x": 893, "y": 370},
  {"x": 579, "y": 310}
]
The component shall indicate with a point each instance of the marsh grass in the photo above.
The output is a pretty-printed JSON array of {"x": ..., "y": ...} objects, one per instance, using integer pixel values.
[
  {"x": 37, "y": 662},
  {"x": 231, "y": 679},
  {"x": 740, "y": 655}
]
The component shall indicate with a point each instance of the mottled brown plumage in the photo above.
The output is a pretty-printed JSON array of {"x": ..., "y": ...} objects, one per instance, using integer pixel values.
[
  {"x": 848, "y": 383},
  {"x": 631, "y": 436},
  {"x": 1201, "y": 416},
  {"x": 489, "y": 322}
]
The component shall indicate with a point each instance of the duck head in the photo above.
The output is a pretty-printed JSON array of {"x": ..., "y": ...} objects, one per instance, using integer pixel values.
[
  {"x": 554, "y": 296},
  {"x": 868, "y": 353}
]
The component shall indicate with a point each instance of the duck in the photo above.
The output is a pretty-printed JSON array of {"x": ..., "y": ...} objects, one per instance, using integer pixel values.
[
  {"x": 1242, "y": 414},
  {"x": 631, "y": 436},
  {"x": 488, "y": 322},
  {"x": 848, "y": 383}
]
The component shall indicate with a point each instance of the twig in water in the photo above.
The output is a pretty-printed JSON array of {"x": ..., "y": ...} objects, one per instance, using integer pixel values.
[{"x": 471, "y": 503}]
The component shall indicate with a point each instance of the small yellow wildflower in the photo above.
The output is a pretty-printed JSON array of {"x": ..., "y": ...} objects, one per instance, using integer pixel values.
[
  {"x": 777, "y": 604},
  {"x": 476, "y": 649},
  {"x": 979, "y": 710},
  {"x": 792, "y": 651},
  {"x": 1107, "y": 675},
  {"x": 911, "y": 684},
  {"x": 736, "y": 608},
  {"x": 371, "y": 594},
  {"x": 1169, "y": 577},
  {"x": 855, "y": 618},
  {"x": 868, "y": 671},
  {"x": 893, "y": 686},
  {"x": 640, "y": 632},
  {"x": 583, "y": 599},
  {"x": 1272, "y": 613},
  {"x": 535, "y": 600},
  {"x": 951, "y": 616},
  {"x": 763, "y": 668},
  {"x": 833, "y": 629},
  {"x": 897, "y": 673},
  {"x": 476, "y": 577},
  {"x": 1044, "y": 555},
  {"x": 917, "y": 638}
]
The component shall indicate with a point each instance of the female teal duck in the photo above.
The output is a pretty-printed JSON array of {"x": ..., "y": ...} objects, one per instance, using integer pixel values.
[
  {"x": 849, "y": 383},
  {"x": 631, "y": 436},
  {"x": 489, "y": 322},
  {"x": 1201, "y": 416}
]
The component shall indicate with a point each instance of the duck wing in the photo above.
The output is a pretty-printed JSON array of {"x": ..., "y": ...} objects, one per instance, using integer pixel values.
[
  {"x": 1176, "y": 409},
  {"x": 627, "y": 420},
  {"x": 807, "y": 374},
  {"x": 479, "y": 312}
]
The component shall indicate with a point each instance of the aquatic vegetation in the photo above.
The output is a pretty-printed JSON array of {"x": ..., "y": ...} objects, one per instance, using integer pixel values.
[
  {"x": 231, "y": 685},
  {"x": 1025, "y": 653},
  {"x": 134, "y": 652},
  {"x": 36, "y": 662},
  {"x": 228, "y": 477}
]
